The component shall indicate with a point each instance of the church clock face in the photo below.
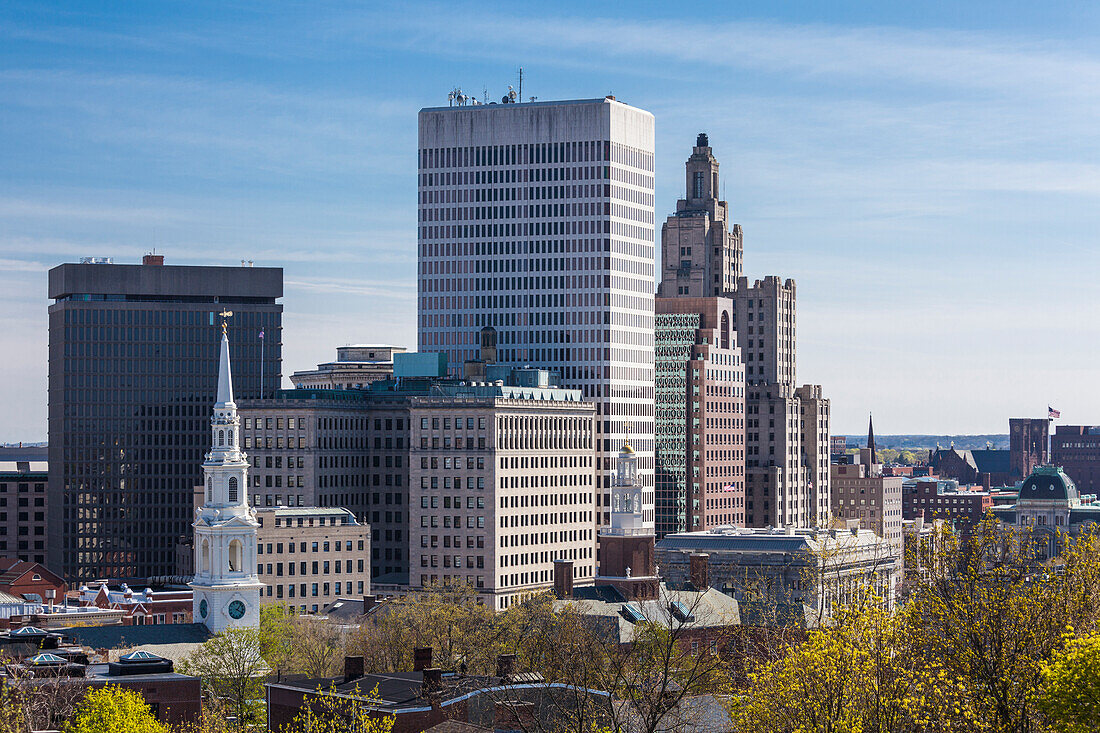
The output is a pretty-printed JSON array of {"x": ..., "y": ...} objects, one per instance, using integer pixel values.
[
  {"x": 236, "y": 609},
  {"x": 203, "y": 608}
]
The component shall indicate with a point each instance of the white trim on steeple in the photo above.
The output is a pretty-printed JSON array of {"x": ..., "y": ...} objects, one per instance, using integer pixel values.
[{"x": 226, "y": 586}]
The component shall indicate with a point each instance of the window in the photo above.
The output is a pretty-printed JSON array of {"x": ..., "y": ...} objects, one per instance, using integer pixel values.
[
  {"x": 697, "y": 189},
  {"x": 232, "y": 488}
]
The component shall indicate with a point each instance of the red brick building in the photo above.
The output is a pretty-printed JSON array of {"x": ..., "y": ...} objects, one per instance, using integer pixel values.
[
  {"x": 148, "y": 606},
  {"x": 31, "y": 581},
  {"x": 1076, "y": 448},
  {"x": 427, "y": 696},
  {"x": 944, "y": 499}
]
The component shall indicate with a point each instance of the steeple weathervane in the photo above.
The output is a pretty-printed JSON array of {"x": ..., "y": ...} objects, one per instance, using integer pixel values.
[{"x": 225, "y": 315}]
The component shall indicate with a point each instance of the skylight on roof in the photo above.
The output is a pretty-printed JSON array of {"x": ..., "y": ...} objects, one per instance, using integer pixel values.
[
  {"x": 140, "y": 656},
  {"x": 45, "y": 658}
]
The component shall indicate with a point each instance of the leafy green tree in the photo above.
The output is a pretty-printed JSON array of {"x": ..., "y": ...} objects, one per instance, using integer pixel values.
[
  {"x": 231, "y": 667},
  {"x": 113, "y": 709},
  {"x": 1070, "y": 697},
  {"x": 331, "y": 713}
]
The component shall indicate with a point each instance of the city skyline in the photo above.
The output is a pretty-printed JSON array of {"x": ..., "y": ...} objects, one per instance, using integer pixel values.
[{"x": 888, "y": 164}]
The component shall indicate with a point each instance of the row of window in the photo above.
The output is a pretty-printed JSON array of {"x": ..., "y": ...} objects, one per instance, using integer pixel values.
[{"x": 336, "y": 546}]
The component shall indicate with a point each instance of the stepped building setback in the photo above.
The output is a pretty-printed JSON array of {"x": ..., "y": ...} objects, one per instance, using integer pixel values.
[{"x": 738, "y": 443}]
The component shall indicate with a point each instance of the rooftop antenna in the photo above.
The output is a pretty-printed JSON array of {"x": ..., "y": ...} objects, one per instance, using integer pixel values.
[
  {"x": 519, "y": 91},
  {"x": 485, "y": 94}
]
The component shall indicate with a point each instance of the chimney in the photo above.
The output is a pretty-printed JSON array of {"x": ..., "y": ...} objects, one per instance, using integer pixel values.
[
  {"x": 433, "y": 680},
  {"x": 353, "y": 668},
  {"x": 506, "y": 665},
  {"x": 151, "y": 259},
  {"x": 563, "y": 578},
  {"x": 369, "y": 602},
  {"x": 700, "y": 570},
  {"x": 422, "y": 658},
  {"x": 513, "y": 715}
]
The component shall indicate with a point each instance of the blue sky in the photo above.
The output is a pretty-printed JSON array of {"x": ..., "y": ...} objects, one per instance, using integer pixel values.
[{"x": 928, "y": 173}]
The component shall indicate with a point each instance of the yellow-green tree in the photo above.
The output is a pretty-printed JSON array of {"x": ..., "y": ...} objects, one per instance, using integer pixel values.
[
  {"x": 232, "y": 669},
  {"x": 327, "y": 712},
  {"x": 1070, "y": 697},
  {"x": 859, "y": 674},
  {"x": 113, "y": 709}
]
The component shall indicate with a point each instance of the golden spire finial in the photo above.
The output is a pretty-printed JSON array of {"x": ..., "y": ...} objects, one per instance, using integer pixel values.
[{"x": 225, "y": 314}]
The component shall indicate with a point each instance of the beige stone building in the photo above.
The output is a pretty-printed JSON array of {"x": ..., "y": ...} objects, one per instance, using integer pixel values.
[
  {"x": 334, "y": 448},
  {"x": 355, "y": 367},
  {"x": 310, "y": 556},
  {"x": 502, "y": 484}
]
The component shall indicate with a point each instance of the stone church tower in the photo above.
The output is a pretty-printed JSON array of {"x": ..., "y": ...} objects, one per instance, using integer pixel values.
[{"x": 226, "y": 588}]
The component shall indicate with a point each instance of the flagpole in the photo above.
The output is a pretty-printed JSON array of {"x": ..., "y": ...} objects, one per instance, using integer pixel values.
[{"x": 261, "y": 365}]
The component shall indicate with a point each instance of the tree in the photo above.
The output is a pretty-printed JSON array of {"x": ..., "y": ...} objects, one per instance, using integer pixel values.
[
  {"x": 113, "y": 709},
  {"x": 1070, "y": 697},
  {"x": 856, "y": 675},
  {"x": 12, "y": 717},
  {"x": 992, "y": 612},
  {"x": 446, "y": 617},
  {"x": 231, "y": 668},
  {"x": 300, "y": 644},
  {"x": 327, "y": 712},
  {"x": 277, "y": 637}
]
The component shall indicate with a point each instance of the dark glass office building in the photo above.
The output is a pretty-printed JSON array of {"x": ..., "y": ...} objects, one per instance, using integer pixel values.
[{"x": 132, "y": 378}]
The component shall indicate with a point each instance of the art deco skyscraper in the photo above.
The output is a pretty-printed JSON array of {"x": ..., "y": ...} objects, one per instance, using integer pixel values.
[
  {"x": 760, "y": 455},
  {"x": 132, "y": 375},
  {"x": 536, "y": 223}
]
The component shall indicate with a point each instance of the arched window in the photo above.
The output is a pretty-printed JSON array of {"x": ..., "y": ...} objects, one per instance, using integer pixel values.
[
  {"x": 209, "y": 491},
  {"x": 221, "y": 437},
  {"x": 725, "y": 330},
  {"x": 232, "y": 488},
  {"x": 230, "y": 438},
  {"x": 236, "y": 555},
  {"x": 205, "y": 567}
]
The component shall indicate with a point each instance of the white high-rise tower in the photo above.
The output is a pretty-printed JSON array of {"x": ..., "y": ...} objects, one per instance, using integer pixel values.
[
  {"x": 536, "y": 223},
  {"x": 226, "y": 588}
]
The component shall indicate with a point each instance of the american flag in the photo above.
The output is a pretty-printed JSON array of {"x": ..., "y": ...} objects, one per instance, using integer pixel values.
[
  {"x": 728, "y": 487},
  {"x": 1052, "y": 413},
  {"x": 261, "y": 334}
]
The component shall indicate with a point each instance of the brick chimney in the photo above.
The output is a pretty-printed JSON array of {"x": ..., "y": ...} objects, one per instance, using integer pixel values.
[
  {"x": 353, "y": 668},
  {"x": 422, "y": 658},
  {"x": 151, "y": 259},
  {"x": 433, "y": 680},
  {"x": 506, "y": 665},
  {"x": 513, "y": 715},
  {"x": 699, "y": 568},
  {"x": 563, "y": 578}
]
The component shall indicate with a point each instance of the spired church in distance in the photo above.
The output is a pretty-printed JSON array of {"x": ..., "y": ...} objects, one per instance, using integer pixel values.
[{"x": 226, "y": 587}]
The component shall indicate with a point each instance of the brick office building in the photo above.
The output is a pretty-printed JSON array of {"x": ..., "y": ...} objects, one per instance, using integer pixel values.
[
  {"x": 700, "y": 416},
  {"x": 945, "y": 499},
  {"x": 23, "y": 492},
  {"x": 1076, "y": 448}
]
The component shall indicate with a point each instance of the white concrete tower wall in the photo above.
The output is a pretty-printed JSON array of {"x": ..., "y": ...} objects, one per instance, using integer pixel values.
[{"x": 537, "y": 220}]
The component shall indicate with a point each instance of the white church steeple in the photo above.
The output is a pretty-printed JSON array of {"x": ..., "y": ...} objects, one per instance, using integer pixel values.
[{"x": 226, "y": 587}]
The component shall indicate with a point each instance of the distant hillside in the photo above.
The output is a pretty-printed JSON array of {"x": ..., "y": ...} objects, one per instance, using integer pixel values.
[{"x": 963, "y": 442}]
